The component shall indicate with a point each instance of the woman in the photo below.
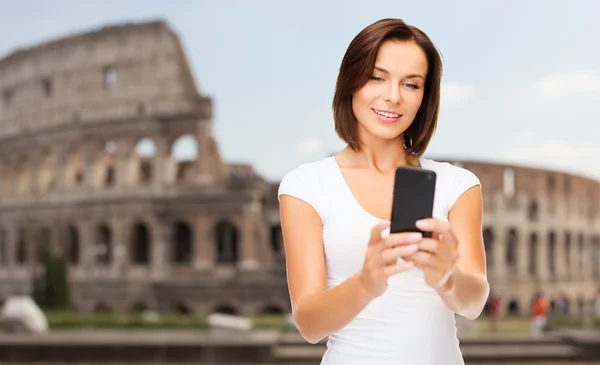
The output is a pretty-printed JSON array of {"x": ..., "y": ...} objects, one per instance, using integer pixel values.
[{"x": 383, "y": 298}]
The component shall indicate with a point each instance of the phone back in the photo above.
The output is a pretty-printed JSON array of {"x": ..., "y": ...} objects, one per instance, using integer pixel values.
[{"x": 414, "y": 192}]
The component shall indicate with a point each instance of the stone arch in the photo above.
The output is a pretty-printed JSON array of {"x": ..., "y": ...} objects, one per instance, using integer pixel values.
[
  {"x": 140, "y": 244},
  {"x": 185, "y": 148},
  {"x": 184, "y": 153},
  {"x": 226, "y": 309},
  {"x": 581, "y": 254},
  {"x": 533, "y": 211},
  {"x": 581, "y": 306},
  {"x": 71, "y": 249},
  {"x": 565, "y": 305},
  {"x": 552, "y": 253},
  {"x": 227, "y": 242},
  {"x": 277, "y": 244},
  {"x": 3, "y": 247},
  {"x": 105, "y": 165},
  {"x": 22, "y": 250},
  {"x": 22, "y": 177},
  {"x": 568, "y": 245},
  {"x": 139, "y": 307},
  {"x": 103, "y": 248},
  {"x": 6, "y": 170},
  {"x": 533, "y": 253},
  {"x": 75, "y": 168},
  {"x": 42, "y": 243},
  {"x": 102, "y": 308},
  {"x": 110, "y": 162},
  {"x": 271, "y": 310},
  {"x": 595, "y": 257},
  {"x": 145, "y": 153},
  {"x": 513, "y": 308},
  {"x": 183, "y": 250},
  {"x": 512, "y": 248},
  {"x": 488, "y": 243},
  {"x": 182, "y": 309},
  {"x": 46, "y": 172}
]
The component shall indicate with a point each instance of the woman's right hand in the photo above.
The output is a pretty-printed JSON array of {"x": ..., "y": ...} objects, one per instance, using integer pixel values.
[{"x": 381, "y": 259}]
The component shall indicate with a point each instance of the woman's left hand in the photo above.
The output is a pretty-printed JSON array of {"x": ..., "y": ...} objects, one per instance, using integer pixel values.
[{"x": 437, "y": 255}]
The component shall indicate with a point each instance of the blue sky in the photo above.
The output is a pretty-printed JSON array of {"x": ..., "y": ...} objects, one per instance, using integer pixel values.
[{"x": 521, "y": 79}]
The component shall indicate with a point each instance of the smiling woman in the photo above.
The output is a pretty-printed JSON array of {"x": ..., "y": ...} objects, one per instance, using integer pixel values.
[{"x": 383, "y": 299}]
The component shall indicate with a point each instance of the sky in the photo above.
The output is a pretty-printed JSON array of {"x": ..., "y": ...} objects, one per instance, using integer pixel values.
[{"x": 521, "y": 79}]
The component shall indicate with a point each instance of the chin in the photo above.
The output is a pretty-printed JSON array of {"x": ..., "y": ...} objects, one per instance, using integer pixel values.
[{"x": 383, "y": 132}]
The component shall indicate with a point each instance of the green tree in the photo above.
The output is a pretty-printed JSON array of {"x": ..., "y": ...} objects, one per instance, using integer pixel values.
[{"x": 50, "y": 287}]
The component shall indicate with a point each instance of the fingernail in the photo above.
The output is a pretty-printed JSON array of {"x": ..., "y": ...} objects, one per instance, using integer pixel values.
[
  {"x": 384, "y": 225},
  {"x": 385, "y": 232},
  {"x": 413, "y": 247}
]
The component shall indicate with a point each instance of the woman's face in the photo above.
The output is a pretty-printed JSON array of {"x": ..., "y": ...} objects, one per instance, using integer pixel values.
[{"x": 388, "y": 103}]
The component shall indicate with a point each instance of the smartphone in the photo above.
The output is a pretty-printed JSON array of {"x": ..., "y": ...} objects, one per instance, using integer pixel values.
[{"x": 414, "y": 191}]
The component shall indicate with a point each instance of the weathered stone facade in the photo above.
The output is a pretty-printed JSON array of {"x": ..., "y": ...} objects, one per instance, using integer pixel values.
[
  {"x": 542, "y": 232},
  {"x": 202, "y": 235}
]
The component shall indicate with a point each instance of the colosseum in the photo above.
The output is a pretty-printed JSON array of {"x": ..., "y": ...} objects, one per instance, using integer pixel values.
[{"x": 90, "y": 126}]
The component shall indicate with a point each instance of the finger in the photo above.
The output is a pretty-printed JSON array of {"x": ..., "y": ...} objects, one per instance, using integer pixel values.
[
  {"x": 404, "y": 238},
  {"x": 376, "y": 232},
  {"x": 433, "y": 246},
  {"x": 392, "y": 254},
  {"x": 433, "y": 225},
  {"x": 426, "y": 259},
  {"x": 397, "y": 268},
  {"x": 441, "y": 229}
]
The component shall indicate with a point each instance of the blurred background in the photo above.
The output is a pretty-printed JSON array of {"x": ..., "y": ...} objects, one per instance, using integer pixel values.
[{"x": 142, "y": 144}]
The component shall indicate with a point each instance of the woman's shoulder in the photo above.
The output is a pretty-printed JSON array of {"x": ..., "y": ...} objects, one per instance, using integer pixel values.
[
  {"x": 305, "y": 181},
  {"x": 309, "y": 170},
  {"x": 452, "y": 179},
  {"x": 448, "y": 170}
]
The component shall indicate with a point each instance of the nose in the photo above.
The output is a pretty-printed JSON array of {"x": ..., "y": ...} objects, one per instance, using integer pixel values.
[{"x": 393, "y": 94}]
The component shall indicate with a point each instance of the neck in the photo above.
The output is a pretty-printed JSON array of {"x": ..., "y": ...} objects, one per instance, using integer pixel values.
[{"x": 383, "y": 155}]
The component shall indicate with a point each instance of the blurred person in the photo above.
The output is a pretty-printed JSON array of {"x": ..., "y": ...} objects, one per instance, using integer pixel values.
[
  {"x": 539, "y": 314},
  {"x": 383, "y": 298},
  {"x": 494, "y": 310}
]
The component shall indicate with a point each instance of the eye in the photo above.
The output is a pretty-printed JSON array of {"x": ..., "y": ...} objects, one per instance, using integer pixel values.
[
  {"x": 375, "y": 78},
  {"x": 412, "y": 86}
]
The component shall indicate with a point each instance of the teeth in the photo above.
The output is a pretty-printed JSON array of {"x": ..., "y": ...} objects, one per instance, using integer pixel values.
[{"x": 389, "y": 115}]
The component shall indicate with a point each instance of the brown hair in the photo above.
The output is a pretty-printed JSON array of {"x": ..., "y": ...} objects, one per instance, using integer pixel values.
[{"x": 356, "y": 68}]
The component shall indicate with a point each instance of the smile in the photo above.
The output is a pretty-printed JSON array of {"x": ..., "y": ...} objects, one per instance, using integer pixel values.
[
  {"x": 387, "y": 117},
  {"x": 386, "y": 114}
]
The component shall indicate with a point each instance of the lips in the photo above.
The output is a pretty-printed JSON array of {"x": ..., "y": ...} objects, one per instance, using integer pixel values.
[
  {"x": 386, "y": 113},
  {"x": 387, "y": 117}
]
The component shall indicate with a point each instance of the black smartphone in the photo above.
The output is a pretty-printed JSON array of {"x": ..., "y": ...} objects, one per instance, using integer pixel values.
[{"x": 414, "y": 191}]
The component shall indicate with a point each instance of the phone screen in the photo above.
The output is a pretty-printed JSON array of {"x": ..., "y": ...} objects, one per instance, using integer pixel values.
[{"x": 414, "y": 192}]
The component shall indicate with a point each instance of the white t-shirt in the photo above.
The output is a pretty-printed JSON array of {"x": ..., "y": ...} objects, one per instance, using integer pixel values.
[{"x": 409, "y": 323}]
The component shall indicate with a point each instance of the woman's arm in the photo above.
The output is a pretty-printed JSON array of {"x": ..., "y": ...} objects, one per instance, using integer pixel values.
[
  {"x": 467, "y": 289},
  {"x": 317, "y": 312}
]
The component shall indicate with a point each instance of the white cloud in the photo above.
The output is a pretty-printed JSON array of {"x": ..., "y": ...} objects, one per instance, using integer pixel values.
[
  {"x": 560, "y": 84},
  {"x": 454, "y": 93},
  {"x": 309, "y": 146},
  {"x": 578, "y": 158}
]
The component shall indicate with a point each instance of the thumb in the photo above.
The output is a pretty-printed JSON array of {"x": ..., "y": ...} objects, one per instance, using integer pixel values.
[{"x": 376, "y": 232}]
